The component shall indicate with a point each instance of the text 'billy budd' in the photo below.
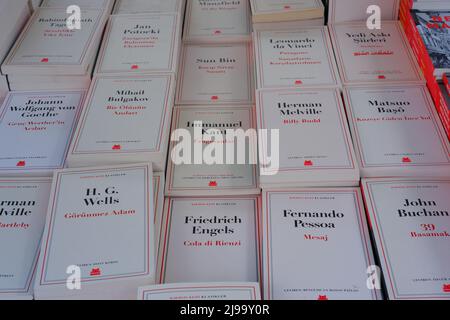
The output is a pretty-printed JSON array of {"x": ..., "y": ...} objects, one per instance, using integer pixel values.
[{"x": 227, "y": 143}]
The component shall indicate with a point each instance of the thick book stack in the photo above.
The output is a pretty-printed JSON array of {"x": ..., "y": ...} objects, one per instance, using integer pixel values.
[
  {"x": 279, "y": 15},
  {"x": 211, "y": 216},
  {"x": 48, "y": 55},
  {"x": 427, "y": 27},
  {"x": 397, "y": 134},
  {"x": 13, "y": 16}
]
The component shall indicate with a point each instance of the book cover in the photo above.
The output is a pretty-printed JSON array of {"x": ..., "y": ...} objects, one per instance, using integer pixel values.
[
  {"x": 23, "y": 208},
  {"x": 374, "y": 56},
  {"x": 294, "y": 58},
  {"x": 349, "y": 10},
  {"x": 396, "y": 131},
  {"x": 139, "y": 43},
  {"x": 194, "y": 174},
  {"x": 210, "y": 240},
  {"x": 113, "y": 106},
  {"x": 316, "y": 245},
  {"x": 411, "y": 225},
  {"x": 100, "y": 220},
  {"x": 217, "y": 21},
  {"x": 149, "y": 6},
  {"x": 40, "y": 126},
  {"x": 202, "y": 291},
  {"x": 315, "y": 144},
  {"x": 213, "y": 74},
  {"x": 47, "y": 46}
]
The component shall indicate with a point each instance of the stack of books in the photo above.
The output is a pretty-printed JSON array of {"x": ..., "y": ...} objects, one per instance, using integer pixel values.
[
  {"x": 88, "y": 209},
  {"x": 115, "y": 104},
  {"x": 411, "y": 226},
  {"x": 23, "y": 208},
  {"x": 37, "y": 128},
  {"x": 49, "y": 56},
  {"x": 13, "y": 16},
  {"x": 217, "y": 21},
  {"x": 316, "y": 148},
  {"x": 396, "y": 131},
  {"x": 295, "y": 57},
  {"x": 305, "y": 232},
  {"x": 203, "y": 235},
  {"x": 427, "y": 27},
  {"x": 276, "y": 14}
]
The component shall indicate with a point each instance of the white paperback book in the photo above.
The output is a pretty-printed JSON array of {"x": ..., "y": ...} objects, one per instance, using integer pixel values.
[
  {"x": 213, "y": 74},
  {"x": 23, "y": 207},
  {"x": 210, "y": 240},
  {"x": 149, "y": 6},
  {"x": 217, "y": 21},
  {"x": 397, "y": 131},
  {"x": 207, "y": 169},
  {"x": 126, "y": 119},
  {"x": 286, "y": 10},
  {"x": 410, "y": 222},
  {"x": 139, "y": 43},
  {"x": 349, "y": 10},
  {"x": 315, "y": 143},
  {"x": 47, "y": 47},
  {"x": 83, "y": 4},
  {"x": 100, "y": 223},
  {"x": 202, "y": 291},
  {"x": 40, "y": 126},
  {"x": 316, "y": 245},
  {"x": 374, "y": 56},
  {"x": 295, "y": 58}
]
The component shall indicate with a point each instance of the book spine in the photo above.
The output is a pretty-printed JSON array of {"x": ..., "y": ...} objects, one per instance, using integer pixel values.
[{"x": 424, "y": 60}]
